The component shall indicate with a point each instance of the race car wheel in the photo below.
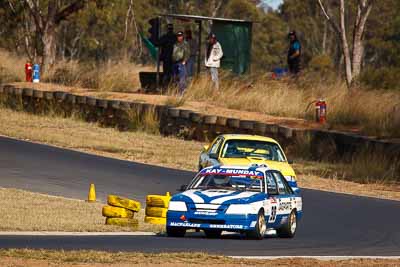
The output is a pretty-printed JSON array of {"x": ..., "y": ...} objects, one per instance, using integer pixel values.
[
  {"x": 289, "y": 229},
  {"x": 175, "y": 231},
  {"x": 261, "y": 227},
  {"x": 211, "y": 233}
]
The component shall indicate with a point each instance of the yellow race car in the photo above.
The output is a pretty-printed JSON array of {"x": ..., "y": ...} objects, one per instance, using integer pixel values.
[{"x": 245, "y": 150}]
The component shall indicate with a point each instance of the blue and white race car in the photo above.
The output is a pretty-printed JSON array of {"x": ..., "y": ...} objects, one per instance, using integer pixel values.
[{"x": 236, "y": 199}]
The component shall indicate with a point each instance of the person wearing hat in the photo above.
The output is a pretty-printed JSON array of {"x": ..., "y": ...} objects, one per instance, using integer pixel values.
[
  {"x": 180, "y": 56},
  {"x": 294, "y": 53},
  {"x": 214, "y": 54},
  {"x": 167, "y": 42}
]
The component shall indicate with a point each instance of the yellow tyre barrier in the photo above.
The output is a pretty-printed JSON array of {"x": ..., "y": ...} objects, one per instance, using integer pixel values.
[
  {"x": 155, "y": 220},
  {"x": 126, "y": 203},
  {"x": 156, "y": 212},
  {"x": 116, "y": 212},
  {"x": 122, "y": 222},
  {"x": 158, "y": 200}
]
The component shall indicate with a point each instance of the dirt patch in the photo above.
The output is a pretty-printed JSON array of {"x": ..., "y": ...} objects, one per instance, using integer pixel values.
[
  {"x": 26, "y": 211},
  {"x": 36, "y": 258}
]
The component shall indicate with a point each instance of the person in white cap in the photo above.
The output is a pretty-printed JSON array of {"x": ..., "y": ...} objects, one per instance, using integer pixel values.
[{"x": 213, "y": 58}]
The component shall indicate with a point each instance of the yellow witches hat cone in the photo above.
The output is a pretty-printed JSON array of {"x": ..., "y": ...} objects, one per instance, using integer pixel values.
[{"x": 92, "y": 193}]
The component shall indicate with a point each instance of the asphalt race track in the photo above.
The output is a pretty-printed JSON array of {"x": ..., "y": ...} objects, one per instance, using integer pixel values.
[{"x": 333, "y": 224}]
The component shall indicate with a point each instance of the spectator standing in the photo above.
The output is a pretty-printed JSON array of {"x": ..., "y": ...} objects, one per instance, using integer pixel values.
[
  {"x": 167, "y": 42},
  {"x": 193, "y": 53},
  {"x": 180, "y": 56},
  {"x": 214, "y": 54},
  {"x": 294, "y": 53}
]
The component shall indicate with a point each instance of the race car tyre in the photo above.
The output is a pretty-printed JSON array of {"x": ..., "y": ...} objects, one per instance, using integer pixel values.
[
  {"x": 261, "y": 227},
  {"x": 121, "y": 202},
  {"x": 158, "y": 201},
  {"x": 156, "y": 212},
  {"x": 212, "y": 233},
  {"x": 116, "y": 212},
  {"x": 155, "y": 220},
  {"x": 289, "y": 229},
  {"x": 127, "y": 222},
  {"x": 175, "y": 231}
]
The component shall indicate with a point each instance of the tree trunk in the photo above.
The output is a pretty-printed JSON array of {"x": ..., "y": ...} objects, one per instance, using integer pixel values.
[
  {"x": 345, "y": 46},
  {"x": 363, "y": 11},
  {"x": 49, "y": 46}
]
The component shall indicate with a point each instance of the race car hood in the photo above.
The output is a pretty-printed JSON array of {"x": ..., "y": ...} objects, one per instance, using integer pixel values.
[
  {"x": 283, "y": 167},
  {"x": 218, "y": 197}
]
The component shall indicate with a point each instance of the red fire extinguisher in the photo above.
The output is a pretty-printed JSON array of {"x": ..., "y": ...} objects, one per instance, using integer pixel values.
[
  {"x": 320, "y": 111},
  {"x": 28, "y": 72}
]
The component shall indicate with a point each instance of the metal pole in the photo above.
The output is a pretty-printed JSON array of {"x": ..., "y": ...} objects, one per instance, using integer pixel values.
[{"x": 199, "y": 49}]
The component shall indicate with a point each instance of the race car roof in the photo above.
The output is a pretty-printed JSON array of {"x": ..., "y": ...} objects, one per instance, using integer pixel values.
[{"x": 248, "y": 137}]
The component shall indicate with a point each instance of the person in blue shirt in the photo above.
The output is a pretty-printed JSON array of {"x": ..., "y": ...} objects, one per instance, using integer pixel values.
[{"x": 294, "y": 54}]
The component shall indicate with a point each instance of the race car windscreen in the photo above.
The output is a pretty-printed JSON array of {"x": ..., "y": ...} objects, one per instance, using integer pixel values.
[
  {"x": 215, "y": 181},
  {"x": 252, "y": 148}
]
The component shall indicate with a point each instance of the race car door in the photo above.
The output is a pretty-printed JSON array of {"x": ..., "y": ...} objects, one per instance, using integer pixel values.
[
  {"x": 273, "y": 199},
  {"x": 285, "y": 198}
]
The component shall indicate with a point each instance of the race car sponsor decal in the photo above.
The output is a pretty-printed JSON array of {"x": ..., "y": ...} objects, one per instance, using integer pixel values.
[
  {"x": 284, "y": 219},
  {"x": 232, "y": 172},
  {"x": 285, "y": 206},
  {"x": 184, "y": 224},
  {"x": 226, "y": 226}
]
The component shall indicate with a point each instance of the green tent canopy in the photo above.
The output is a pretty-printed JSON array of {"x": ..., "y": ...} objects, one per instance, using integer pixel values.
[{"x": 235, "y": 39}]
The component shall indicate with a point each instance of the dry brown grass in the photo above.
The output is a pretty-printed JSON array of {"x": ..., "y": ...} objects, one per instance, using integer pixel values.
[
  {"x": 35, "y": 258},
  {"x": 89, "y": 137},
  {"x": 12, "y": 68},
  {"x": 371, "y": 112},
  {"x": 26, "y": 211},
  {"x": 113, "y": 76},
  {"x": 368, "y": 111},
  {"x": 162, "y": 151}
]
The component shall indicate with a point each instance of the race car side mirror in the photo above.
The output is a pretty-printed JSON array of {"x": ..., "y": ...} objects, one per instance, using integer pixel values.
[
  {"x": 290, "y": 161},
  {"x": 205, "y": 147},
  {"x": 182, "y": 188}
]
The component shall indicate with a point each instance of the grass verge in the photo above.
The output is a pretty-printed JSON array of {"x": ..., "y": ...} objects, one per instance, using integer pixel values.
[
  {"x": 163, "y": 151},
  {"x": 35, "y": 258},
  {"x": 26, "y": 211}
]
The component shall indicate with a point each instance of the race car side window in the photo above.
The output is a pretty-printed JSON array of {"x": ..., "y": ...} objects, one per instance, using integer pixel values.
[
  {"x": 272, "y": 188},
  {"x": 215, "y": 147},
  {"x": 282, "y": 186}
]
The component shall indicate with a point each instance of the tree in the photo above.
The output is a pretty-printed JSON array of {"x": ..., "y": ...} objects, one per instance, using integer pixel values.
[
  {"x": 47, "y": 18},
  {"x": 352, "y": 54}
]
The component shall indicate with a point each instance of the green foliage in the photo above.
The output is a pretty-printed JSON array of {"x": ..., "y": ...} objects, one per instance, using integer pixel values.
[{"x": 381, "y": 78}]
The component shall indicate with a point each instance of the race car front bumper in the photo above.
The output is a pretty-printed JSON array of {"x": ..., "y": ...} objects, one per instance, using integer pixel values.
[{"x": 231, "y": 222}]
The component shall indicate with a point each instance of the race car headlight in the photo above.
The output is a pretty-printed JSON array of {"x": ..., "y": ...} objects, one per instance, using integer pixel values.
[
  {"x": 241, "y": 209},
  {"x": 177, "y": 206}
]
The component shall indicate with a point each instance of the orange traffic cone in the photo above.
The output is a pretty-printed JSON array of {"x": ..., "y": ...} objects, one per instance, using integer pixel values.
[{"x": 92, "y": 193}]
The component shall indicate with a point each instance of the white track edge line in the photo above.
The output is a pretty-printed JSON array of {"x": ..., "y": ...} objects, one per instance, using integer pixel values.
[
  {"x": 323, "y": 258},
  {"x": 49, "y": 233}
]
